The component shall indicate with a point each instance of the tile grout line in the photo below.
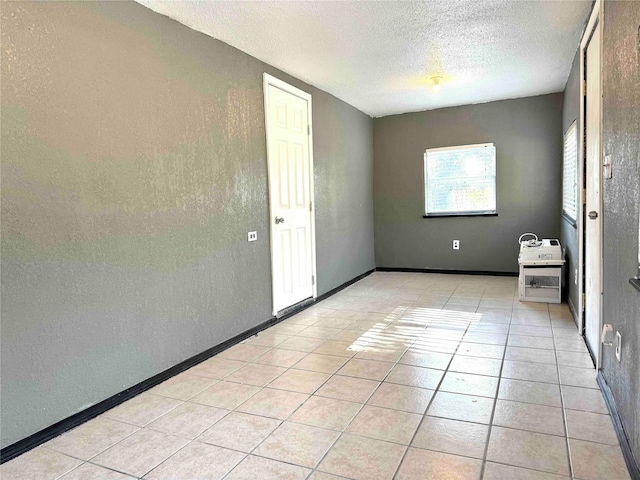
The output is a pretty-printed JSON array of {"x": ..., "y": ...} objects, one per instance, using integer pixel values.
[
  {"x": 314, "y": 468},
  {"x": 251, "y": 452},
  {"x": 424, "y": 415},
  {"x": 493, "y": 409},
  {"x": 343, "y": 431},
  {"x": 360, "y": 410},
  {"x": 192, "y": 440},
  {"x": 363, "y": 405},
  {"x": 545, "y": 472},
  {"x": 141, "y": 428},
  {"x": 564, "y": 413},
  {"x": 171, "y": 456}
]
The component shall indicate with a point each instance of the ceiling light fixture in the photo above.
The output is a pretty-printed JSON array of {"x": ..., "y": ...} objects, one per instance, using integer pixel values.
[{"x": 435, "y": 83}]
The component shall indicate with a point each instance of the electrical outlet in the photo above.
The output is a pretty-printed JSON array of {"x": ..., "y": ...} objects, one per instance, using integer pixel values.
[
  {"x": 252, "y": 236},
  {"x": 456, "y": 244},
  {"x": 618, "y": 344},
  {"x": 575, "y": 276}
]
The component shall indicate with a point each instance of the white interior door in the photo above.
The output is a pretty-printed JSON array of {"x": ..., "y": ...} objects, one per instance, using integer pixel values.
[
  {"x": 593, "y": 220},
  {"x": 288, "y": 117}
]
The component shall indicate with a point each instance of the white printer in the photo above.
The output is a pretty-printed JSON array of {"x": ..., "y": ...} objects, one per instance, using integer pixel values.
[
  {"x": 540, "y": 252},
  {"x": 540, "y": 266}
]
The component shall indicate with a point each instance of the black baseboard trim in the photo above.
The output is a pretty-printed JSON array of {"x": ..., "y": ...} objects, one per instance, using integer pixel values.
[
  {"x": 450, "y": 272},
  {"x": 73, "y": 421},
  {"x": 627, "y": 453},
  {"x": 22, "y": 446},
  {"x": 344, "y": 285}
]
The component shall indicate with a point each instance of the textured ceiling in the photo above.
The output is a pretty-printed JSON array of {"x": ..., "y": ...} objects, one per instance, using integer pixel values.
[{"x": 379, "y": 55}]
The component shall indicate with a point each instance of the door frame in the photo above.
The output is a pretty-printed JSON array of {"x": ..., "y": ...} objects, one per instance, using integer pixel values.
[
  {"x": 595, "y": 18},
  {"x": 269, "y": 80}
]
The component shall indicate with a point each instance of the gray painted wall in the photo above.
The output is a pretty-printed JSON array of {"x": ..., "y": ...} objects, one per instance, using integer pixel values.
[
  {"x": 343, "y": 161},
  {"x": 568, "y": 231},
  {"x": 621, "y": 137},
  {"x": 133, "y": 165},
  {"x": 528, "y": 137}
]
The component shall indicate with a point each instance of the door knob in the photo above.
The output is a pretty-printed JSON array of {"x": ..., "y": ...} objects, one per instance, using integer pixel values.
[
  {"x": 279, "y": 220},
  {"x": 593, "y": 215}
]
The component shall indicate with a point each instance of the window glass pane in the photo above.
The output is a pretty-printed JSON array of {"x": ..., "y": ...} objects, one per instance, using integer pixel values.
[
  {"x": 461, "y": 180},
  {"x": 570, "y": 173}
]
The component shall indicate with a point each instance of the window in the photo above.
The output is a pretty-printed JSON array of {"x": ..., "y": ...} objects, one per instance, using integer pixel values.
[
  {"x": 570, "y": 173},
  {"x": 460, "y": 180}
]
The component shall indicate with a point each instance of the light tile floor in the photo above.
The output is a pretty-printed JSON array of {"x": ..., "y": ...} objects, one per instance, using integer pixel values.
[{"x": 401, "y": 375}]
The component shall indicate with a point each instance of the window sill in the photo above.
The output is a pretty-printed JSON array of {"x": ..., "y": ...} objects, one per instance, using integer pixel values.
[
  {"x": 635, "y": 282},
  {"x": 441, "y": 215},
  {"x": 569, "y": 220}
]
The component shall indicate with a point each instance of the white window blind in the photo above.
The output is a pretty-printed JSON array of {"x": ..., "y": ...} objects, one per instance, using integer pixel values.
[
  {"x": 460, "y": 180},
  {"x": 570, "y": 173}
]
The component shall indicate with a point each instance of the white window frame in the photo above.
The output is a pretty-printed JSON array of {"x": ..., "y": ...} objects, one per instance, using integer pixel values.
[
  {"x": 457, "y": 212},
  {"x": 570, "y": 184}
]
